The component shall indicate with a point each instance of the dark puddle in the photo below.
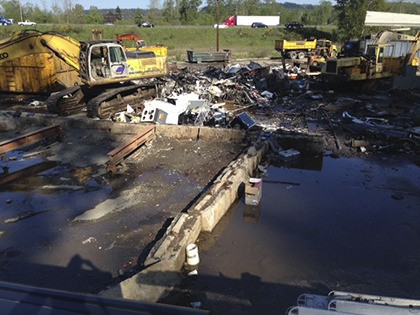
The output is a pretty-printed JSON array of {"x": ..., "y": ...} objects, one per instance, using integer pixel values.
[{"x": 323, "y": 224}]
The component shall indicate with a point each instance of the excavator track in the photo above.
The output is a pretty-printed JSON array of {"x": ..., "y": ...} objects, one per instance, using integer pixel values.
[
  {"x": 67, "y": 102},
  {"x": 115, "y": 100}
]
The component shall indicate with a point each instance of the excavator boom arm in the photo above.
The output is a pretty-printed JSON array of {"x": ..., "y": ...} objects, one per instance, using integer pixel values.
[
  {"x": 29, "y": 43},
  {"x": 64, "y": 48}
]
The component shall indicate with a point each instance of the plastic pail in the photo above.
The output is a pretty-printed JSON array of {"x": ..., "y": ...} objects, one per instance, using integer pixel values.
[{"x": 192, "y": 255}]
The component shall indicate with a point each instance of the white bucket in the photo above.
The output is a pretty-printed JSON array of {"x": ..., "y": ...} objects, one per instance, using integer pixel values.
[{"x": 192, "y": 255}]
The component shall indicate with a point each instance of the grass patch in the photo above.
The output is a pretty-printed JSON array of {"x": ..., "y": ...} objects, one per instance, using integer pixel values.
[{"x": 242, "y": 42}]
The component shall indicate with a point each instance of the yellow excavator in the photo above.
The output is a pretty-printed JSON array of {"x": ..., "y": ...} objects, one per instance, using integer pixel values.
[{"x": 97, "y": 75}]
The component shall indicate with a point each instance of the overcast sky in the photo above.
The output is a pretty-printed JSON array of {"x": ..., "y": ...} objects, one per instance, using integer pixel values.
[{"x": 129, "y": 4}]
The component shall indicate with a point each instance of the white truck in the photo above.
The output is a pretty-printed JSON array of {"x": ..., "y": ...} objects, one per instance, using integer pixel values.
[
  {"x": 247, "y": 20},
  {"x": 26, "y": 23}
]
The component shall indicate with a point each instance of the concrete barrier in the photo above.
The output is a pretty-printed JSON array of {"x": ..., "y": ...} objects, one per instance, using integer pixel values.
[
  {"x": 180, "y": 132},
  {"x": 183, "y": 132},
  {"x": 167, "y": 257}
]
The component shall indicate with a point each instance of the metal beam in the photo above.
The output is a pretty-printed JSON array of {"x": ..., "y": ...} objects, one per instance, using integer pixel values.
[
  {"x": 28, "y": 139},
  {"x": 118, "y": 155}
]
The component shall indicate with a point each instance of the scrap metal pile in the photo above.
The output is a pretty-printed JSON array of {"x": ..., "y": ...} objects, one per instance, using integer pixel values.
[
  {"x": 291, "y": 100},
  {"x": 212, "y": 97}
]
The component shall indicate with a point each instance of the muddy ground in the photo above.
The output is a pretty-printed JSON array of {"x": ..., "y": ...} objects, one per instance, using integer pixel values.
[{"x": 67, "y": 223}]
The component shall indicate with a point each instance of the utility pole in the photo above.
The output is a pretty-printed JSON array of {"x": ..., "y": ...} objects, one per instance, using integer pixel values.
[
  {"x": 20, "y": 10},
  {"x": 217, "y": 28}
]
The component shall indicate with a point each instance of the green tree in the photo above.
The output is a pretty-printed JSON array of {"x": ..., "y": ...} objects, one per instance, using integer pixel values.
[
  {"x": 78, "y": 15},
  {"x": 226, "y": 8},
  {"x": 402, "y": 7},
  {"x": 154, "y": 13},
  {"x": 271, "y": 7},
  {"x": 188, "y": 10},
  {"x": 118, "y": 13},
  {"x": 376, "y": 5},
  {"x": 351, "y": 16},
  {"x": 211, "y": 8},
  {"x": 305, "y": 19},
  {"x": 67, "y": 8},
  {"x": 58, "y": 12},
  {"x": 183, "y": 10},
  {"x": 11, "y": 9},
  {"x": 138, "y": 16},
  {"x": 322, "y": 13},
  {"x": 249, "y": 7},
  {"x": 170, "y": 13},
  {"x": 40, "y": 16},
  {"x": 94, "y": 16}
]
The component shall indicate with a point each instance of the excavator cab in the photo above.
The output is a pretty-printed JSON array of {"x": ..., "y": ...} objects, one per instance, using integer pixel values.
[
  {"x": 106, "y": 61},
  {"x": 98, "y": 62},
  {"x": 375, "y": 55}
]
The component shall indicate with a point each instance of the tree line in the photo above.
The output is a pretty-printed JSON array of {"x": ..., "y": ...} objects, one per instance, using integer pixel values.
[{"x": 347, "y": 15}]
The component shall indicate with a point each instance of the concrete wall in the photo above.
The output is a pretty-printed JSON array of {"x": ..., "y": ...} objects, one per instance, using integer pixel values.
[
  {"x": 167, "y": 257},
  {"x": 168, "y": 131},
  {"x": 182, "y": 132}
]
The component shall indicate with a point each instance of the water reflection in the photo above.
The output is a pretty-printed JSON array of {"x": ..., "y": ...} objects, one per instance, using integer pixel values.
[
  {"x": 252, "y": 213},
  {"x": 305, "y": 161},
  {"x": 326, "y": 220}
]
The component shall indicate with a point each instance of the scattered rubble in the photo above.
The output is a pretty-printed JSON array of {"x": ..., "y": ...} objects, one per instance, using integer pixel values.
[{"x": 273, "y": 98}]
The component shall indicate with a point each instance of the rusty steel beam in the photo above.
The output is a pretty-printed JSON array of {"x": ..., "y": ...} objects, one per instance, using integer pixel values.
[
  {"x": 118, "y": 155},
  {"x": 8, "y": 178},
  {"x": 28, "y": 139}
]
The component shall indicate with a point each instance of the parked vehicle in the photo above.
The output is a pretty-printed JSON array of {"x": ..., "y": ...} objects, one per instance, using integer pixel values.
[
  {"x": 295, "y": 49},
  {"x": 220, "y": 26},
  {"x": 293, "y": 25},
  {"x": 145, "y": 24},
  {"x": 258, "y": 25},
  {"x": 4, "y": 21},
  {"x": 303, "y": 48},
  {"x": 246, "y": 20},
  {"x": 26, "y": 23}
]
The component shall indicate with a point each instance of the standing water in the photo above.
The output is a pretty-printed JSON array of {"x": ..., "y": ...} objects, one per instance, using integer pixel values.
[{"x": 323, "y": 224}]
